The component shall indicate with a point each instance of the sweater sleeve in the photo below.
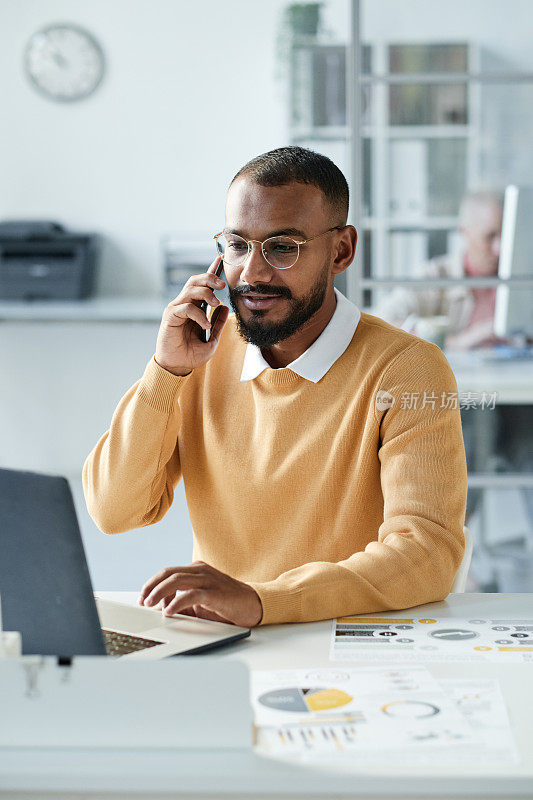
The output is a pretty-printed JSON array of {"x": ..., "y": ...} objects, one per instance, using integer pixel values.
[
  {"x": 130, "y": 475},
  {"x": 420, "y": 544}
]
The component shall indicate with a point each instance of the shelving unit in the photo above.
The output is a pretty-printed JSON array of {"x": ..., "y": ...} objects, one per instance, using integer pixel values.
[
  {"x": 412, "y": 110},
  {"x": 401, "y": 159},
  {"x": 409, "y": 111}
]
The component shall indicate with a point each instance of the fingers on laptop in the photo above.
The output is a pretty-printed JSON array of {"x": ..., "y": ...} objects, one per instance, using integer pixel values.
[{"x": 166, "y": 581}]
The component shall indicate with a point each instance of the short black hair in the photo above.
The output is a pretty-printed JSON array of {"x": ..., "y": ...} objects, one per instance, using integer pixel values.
[{"x": 298, "y": 164}]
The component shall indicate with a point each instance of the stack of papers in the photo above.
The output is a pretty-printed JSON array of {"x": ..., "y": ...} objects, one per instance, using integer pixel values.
[
  {"x": 448, "y": 639},
  {"x": 380, "y": 714}
]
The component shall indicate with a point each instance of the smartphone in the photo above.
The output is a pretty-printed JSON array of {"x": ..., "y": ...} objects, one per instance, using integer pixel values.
[{"x": 205, "y": 332}]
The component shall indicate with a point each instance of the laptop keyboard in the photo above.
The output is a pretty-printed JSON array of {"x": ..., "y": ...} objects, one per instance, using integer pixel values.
[{"x": 119, "y": 644}]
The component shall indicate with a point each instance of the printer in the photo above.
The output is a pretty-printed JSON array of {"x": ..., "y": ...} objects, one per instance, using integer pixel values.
[{"x": 40, "y": 260}]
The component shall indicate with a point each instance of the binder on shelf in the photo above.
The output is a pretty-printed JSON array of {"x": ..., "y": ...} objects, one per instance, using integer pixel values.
[
  {"x": 330, "y": 86},
  {"x": 319, "y": 87},
  {"x": 408, "y": 179},
  {"x": 408, "y": 253}
]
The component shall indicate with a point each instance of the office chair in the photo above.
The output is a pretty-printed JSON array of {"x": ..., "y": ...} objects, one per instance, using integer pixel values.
[{"x": 459, "y": 582}]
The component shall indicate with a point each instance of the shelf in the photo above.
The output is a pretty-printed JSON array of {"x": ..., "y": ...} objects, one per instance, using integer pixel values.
[
  {"x": 443, "y": 283},
  {"x": 422, "y": 223},
  {"x": 499, "y": 480},
  {"x": 443, "y": 78},
  {"x": 98, "y": 309},
  {"x": 315, "y": 40},
  {"x": 391, "y": 132},
  {"x": 417, "y": 132}
]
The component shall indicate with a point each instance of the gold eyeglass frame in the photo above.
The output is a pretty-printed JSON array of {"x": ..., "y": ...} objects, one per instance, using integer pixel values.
[{"x": 250, "y": 242}]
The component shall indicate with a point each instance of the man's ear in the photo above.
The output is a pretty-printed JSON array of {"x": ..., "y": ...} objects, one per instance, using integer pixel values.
[{"x": 346, "y": 246}]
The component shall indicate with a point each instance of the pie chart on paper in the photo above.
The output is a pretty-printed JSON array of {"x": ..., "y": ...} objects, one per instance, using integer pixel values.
[{"x": 301, "y": 700}]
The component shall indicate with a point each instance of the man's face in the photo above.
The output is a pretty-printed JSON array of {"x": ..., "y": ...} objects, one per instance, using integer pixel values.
[
  {"x": 258, "y": 212},
  {"x": 483, "y": 238}
]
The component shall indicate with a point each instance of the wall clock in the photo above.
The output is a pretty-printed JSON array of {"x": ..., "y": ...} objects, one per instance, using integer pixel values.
[{"x": 64, "y": 62}]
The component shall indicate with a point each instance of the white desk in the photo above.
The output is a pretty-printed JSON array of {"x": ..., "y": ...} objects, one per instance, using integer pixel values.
[
  {"x": 171, "y": 774},
  {"x": 512, "y": 379}
]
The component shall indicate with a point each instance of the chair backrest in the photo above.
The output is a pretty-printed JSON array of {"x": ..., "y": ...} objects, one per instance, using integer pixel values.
[{"x": 459, "y": 583}]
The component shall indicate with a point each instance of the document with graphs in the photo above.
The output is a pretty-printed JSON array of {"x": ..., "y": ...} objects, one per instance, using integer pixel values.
[
  {"x": 389, "y": 714},
  {"x": 408, "y": 639}
]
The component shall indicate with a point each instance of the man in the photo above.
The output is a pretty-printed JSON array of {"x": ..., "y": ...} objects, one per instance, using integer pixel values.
[
  {"x": 316, "y": 485},
  {"x": 470, "y": 311}
]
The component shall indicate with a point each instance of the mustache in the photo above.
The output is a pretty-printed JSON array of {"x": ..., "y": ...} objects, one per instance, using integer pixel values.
[{"x": 267, "y": 290}]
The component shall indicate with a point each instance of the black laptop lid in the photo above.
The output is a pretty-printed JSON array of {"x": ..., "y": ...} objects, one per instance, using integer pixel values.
[{"x": 45, "y": 587}]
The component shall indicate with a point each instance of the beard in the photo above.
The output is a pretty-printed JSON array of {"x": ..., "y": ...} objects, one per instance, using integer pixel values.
[{"x": 257, "y": 330}]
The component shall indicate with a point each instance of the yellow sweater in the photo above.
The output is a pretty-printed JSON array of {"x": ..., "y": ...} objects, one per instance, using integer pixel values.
[{"x": 324, "y": 497}]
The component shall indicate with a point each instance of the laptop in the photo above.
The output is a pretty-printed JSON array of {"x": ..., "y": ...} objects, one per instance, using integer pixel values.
[{"x": 46, "y": 591}]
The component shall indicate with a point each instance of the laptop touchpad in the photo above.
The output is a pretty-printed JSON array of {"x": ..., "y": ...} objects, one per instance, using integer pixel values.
[{"x": 130, "y": 619}]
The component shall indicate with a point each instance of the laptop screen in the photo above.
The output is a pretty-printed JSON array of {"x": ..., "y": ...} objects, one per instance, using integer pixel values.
[{"x": 45, "y": 587}]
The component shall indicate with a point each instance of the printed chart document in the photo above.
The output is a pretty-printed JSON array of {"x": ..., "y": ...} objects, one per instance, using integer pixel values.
[
  {"x": 481, "y": 702},
  {"x": 446, "y": 639},
  {"x": 384, "y": 715}
]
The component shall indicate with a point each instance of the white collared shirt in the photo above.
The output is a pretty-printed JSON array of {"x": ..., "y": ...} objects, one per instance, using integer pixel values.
[{"x": 322, "y": 354}]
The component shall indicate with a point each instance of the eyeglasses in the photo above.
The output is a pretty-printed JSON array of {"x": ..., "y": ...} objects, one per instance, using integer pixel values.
[{"x": 280, "y": 252}]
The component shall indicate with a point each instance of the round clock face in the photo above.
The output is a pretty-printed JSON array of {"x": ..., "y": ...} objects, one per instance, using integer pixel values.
[{"x": 64, "y": 62}]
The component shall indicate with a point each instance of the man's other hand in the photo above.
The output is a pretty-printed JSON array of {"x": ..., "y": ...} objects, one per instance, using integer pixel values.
[{"x": 200, "y": 590}]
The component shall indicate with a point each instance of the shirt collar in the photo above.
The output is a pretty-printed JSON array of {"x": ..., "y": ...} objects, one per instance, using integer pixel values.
[{"x": 322, "y": 354}]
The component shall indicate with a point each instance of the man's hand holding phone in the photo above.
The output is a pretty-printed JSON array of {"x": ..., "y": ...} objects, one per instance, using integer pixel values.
[{"x": 181, "y": 344}]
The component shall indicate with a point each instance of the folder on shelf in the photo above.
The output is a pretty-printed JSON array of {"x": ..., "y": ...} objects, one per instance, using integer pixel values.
[{"x": 408, "y": 179}]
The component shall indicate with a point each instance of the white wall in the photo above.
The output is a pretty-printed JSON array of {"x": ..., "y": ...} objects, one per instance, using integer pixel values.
[
  {"x": 59, "y": 385},
  {"x": 503, "y": 26},
  {"x": 183, "y": 106}
]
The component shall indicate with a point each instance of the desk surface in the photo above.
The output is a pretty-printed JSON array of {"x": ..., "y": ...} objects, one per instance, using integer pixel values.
[
  {"x": 217, "y": 774},
  {"x": 512, "y": 379},
  {"x": 273, "y": 646}
]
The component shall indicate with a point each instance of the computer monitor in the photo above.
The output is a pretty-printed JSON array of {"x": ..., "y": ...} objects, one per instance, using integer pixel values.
[{"x": 513, "y": 313}]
